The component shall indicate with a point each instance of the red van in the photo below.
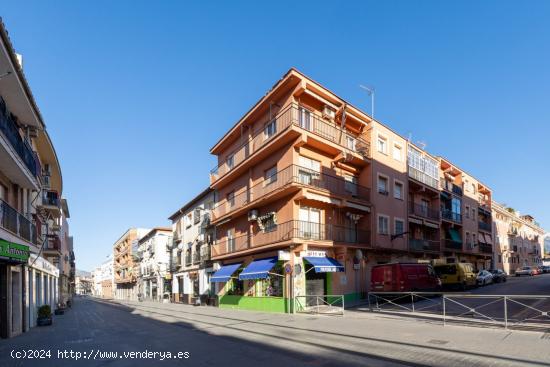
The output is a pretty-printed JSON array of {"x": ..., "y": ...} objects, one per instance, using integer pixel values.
[{"x": 404, "y": 277}]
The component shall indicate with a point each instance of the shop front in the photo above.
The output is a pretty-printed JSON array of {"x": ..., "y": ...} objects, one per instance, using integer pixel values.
[{"x": 42, "y": 287}]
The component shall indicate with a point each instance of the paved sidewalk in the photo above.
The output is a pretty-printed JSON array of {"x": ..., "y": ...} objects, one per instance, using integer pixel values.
[{"x": 398, "y": 339}]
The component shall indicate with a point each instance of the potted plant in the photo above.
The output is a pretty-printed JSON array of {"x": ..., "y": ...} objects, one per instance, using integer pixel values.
[{"x": 44, "y": 315}]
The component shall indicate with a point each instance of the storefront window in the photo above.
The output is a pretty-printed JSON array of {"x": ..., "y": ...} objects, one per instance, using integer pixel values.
[{"x": 235, "y": 287}]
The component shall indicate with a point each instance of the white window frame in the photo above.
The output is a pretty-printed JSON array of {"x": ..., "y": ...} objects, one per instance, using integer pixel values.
[
  {"x": 380, "y": 175},
  {"x": 387, "y": 232},
  {"x": 395, "y": 220},
  {"x": 395, "y": 183},
  {"x": 269, "y": 133},
  {"x": 230, "y": 158},
  {"x": 270, "y": 177},
  {"x": 399, "y": 149},
  {"x": 383, "y": 138}
]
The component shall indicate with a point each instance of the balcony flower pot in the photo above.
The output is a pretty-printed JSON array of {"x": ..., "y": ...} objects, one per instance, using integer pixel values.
[{"x": 44, "y": 316}]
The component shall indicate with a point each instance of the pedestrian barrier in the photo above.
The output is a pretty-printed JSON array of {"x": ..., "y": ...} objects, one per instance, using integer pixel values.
[
  {"x": 320, "y": 304},
  {"x": 508, "y": 311}
]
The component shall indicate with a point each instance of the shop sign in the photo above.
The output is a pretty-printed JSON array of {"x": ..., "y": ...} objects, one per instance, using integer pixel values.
[
  {"x": 310, "y": 253},
  {"x": 14, "y": 251},
  {"x": 39, "y": 263},
  {"x": 283, "y": 255}
]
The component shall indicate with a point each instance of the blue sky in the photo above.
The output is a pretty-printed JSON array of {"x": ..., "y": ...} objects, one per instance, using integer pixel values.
[{"x": 135, "y": 93}]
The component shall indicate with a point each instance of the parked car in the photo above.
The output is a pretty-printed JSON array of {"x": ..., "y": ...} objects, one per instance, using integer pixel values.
[
  {"x": 484, "y": 277},
  {"x": 404, "y": 277},
  {"x": 545, "y": 269},
  {"x": 498, "y": 275},
  {"x": 526, "y": 270},
  {"x": 457, "y": 275}
]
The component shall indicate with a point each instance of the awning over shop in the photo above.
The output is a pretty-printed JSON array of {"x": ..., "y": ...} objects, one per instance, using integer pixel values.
[
  {"x": 430, "y": 224},
  {"x": 455, "y": 236},
  {"x": 481, "y": 237},
  {"x": 258, "y": 269},
  {"x": 324, "y": 264},
  {"x": 225, "y": 272}
]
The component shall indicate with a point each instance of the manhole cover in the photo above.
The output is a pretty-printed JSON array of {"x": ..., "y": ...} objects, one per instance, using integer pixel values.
[{"x": 438, "y": 342}]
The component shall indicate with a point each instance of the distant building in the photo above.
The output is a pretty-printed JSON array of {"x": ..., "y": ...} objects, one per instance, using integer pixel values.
[
  {"x": 103, "y": 280},
  {"x": 154, "y": 281},
  {"x": 126, "y": 269}
]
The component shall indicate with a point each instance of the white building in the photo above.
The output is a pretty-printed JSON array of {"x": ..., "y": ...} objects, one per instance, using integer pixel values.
[
  {"x": 193, "y": 236},
  {"x": 154, "y": 275},
  {"x": 103, "y": 279}
]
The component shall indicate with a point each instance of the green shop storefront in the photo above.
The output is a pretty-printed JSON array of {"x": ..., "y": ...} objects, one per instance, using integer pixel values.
[{"x": 13, "y": 256}]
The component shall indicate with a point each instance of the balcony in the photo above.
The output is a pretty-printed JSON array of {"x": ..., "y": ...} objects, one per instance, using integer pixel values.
[
  {"x": 292, "y": 175},
  {"x": 485, "y": 248},
  {"x": 9, "y": 129},
  {"x": 294, "y": 230},
  {"x": 484, "y": 226},
  {"x": 16, "y": 223},
  {"x": 448, "y": 214},
  {"x": 53, "y": 244},
  {"x": 452, "y": 245},
  {"x": 51, "y": 202},
  {"x": 423, "y": 211},
  {"x": 423, "y": 177},
  {"x": 451, "y": 187},
  {"x": 291, "y": 117},
  {"x": 196, "y": 257},
  {"x": 205, "y": 253},
  {"x": 424, "y": 245}
]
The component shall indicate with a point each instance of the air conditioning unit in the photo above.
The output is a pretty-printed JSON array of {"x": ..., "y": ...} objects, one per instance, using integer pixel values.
[
  {"x": 328, "y": 112},
  {"x": 253, "y": 215}
]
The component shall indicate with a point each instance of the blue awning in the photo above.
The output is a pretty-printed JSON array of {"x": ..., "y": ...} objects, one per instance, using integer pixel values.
[
  {"x": 325, "y": 264},
  {"x": 258, "y": 269},
  {"x": 224, "y": 273}
]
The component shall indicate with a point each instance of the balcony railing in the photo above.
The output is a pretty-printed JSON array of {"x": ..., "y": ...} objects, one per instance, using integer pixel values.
[
  {"x": 17, "y": 223},
  {"x": 455, "y": 189},
  {"x": 452, "y": 216},
  {"x": 50, "y": 198},
  {"x": 9, "y": 128},
  {"x": 453, "y": 245},
  {"x": 424, "y": 178},
  {"x": 53, "y": 243},
  {"x": 292, "y": 174},
  {"x": 484, "y": 226},
  {"x": 423, "y": 211},
  {"x": 205, "y": 253},
  {"x": 424, "y": 245},
  {"x": 485, "y": 248},
  {"x": 196, "y": 257},
  {"x": 294, "y": 229},
  {"x": 291, "y": 116}
]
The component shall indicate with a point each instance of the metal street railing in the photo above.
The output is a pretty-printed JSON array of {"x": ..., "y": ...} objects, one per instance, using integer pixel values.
[
  {"x": 508, "y": 311},
  {"x": 320, "y": 304}
]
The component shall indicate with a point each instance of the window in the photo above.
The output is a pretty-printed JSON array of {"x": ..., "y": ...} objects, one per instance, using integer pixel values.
[
  {"x": 350, "y": 142},
  {"x": 188, "y": 219},
  {"x": 467, "y": 211},
  {"x": 197, "y": 215},
  {"x": 270, "y": 129},
  {"x": 468, "y": 240},
  {"x": 309, "y": 170},
  {"x": 231, "y": 198},
  {"x": 270, "y": 176},
  {"x": 383, "y": 224},
  {"x": 268, "y": 222},
  {"x": 382, "y": 144},
  {"x": 230, "y": 161},
  {"x": 398, "y": 190},
  {"x": 399, "y": 226},
  {"x": 474, "y": 240},
  {"x": 305, "y": 118},
  {"x": 230, "y": 241},
  {"x": 474, "y": 214},
  {"x": 383, "y": 185},
  {"x": 309, "y": 223},
  {"x": 351, "y": 184},
  {"x": 397, "y": 152}
]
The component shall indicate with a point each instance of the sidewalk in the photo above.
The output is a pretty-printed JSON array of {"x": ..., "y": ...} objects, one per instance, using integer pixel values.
[{"x": 400, "y": 339}]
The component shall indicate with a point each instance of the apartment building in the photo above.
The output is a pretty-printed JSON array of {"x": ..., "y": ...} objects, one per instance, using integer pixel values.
[
  {"x": 30, "y": 188},
  {"x": 154, "y": 263},
  {"x": 193, "y": 235},
  {"x": 466, "y": 224},
  {"x": 519, "y": 239},
  {"x": 126, "y": 264},
  {"x": 103, "y": 280}
]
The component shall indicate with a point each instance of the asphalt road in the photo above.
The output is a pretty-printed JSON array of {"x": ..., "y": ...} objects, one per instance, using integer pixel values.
[{"x": 520, "y": 310}]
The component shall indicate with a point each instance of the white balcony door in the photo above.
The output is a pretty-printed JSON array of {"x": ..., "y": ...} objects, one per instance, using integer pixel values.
[
  {"x": 305, "y": 119},
  {"x": 310, "y": 223},
  {"x": 309, "y": 170}
]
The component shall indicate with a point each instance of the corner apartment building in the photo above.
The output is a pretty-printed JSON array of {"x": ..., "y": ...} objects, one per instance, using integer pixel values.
[
  {"x": 30, "y": 189},
  {"x": 519, "y": 239},
  {"x": 311, "y": 193},
  {"x": 126, "y": 264},
  {"x": 154, "y": 263},
  {"x": 193, "y": 236}
]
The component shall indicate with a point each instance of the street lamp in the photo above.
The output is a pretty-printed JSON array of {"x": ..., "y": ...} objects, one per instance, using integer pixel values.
[{"x": 370, "y": 91}]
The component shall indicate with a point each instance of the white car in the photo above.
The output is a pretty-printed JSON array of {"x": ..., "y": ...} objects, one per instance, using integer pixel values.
[
  {"x": 484, "y": 277},
  {"x": 526, "y": 270}
]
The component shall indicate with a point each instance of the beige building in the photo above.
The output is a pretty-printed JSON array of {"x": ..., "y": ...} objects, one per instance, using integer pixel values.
[
  {"x": 126, "y": 264},
  {"x": 519, "y": 239}
]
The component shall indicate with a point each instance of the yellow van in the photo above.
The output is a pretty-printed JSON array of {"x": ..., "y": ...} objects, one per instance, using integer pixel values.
[{"x": 459, "y": 275}]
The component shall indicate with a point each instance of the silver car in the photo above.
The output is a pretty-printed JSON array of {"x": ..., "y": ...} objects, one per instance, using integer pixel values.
[{"x": 526, "y": 270}]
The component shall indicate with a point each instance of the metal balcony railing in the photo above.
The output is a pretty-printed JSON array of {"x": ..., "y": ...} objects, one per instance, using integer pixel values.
[
  {"x": 292, "y": 115},
  {"x": 294, "y": 229},
  {"x": 449, "y": 186},
  {"x": 450, "y": 215},
  {"x": 424, "y": 245},
  {"x": 423, "y": 211},
  {"x": 205, "y": 253},
  {"x": 292, "y": 174},
  {"x": 196, "y": 257},
  {"x": 423, "y": 177},
  {"x": 17, "y": 223},
  {"x": 50, "y": 198},
  {"x": 450, "y": 244},
  {"x": 484, "y": 226},
  {"x": 485, "y": 248},
  {"x": 9, "y": 129},
  {"x": 53, "y": 243}
]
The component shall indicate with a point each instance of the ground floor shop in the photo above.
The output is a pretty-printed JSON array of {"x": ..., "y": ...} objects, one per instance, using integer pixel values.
[
  {"x": 155, "y": 288},
  {"x": 126, "y": 291},
  {"x": 193, "y": 286},
  {"x": 42, "y": 288}
]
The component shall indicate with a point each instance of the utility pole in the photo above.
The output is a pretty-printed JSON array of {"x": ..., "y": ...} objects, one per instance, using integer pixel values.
[{"x": 370, "y": 91}]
